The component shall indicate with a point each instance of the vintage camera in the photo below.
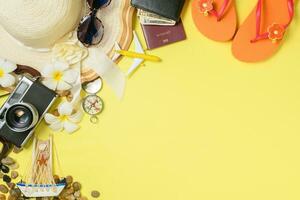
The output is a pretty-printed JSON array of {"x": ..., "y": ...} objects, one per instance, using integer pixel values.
[{"x": 23, "y": 110}]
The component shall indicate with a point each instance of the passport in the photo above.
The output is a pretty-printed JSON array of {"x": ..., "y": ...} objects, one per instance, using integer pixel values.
[
  {"x": 166, "y": 8},
  {"x": 158, "y": 36}
]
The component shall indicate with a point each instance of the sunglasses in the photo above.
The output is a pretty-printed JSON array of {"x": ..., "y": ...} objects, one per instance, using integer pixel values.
[{"x": 91, "y": 30}]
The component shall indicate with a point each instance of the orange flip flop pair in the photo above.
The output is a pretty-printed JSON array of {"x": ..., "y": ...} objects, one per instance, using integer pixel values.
[{"x": 258, "y": 38}]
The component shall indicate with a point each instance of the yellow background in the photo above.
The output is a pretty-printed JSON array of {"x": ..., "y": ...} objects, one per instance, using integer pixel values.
[{"x": 199, "y": 125}]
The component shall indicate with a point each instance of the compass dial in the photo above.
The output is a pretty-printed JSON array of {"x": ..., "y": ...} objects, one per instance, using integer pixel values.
[{"x": 92, "y": 105}]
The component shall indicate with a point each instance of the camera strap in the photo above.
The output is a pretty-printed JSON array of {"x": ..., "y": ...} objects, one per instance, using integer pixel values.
[
  {"x": 22, "y": 69},
  {"x": 6, "y": 147}
]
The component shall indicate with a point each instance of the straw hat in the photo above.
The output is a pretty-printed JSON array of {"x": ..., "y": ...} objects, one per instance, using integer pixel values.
[
  {"x": 36, "y": 32},
  {"x": 29, "y": 28}
]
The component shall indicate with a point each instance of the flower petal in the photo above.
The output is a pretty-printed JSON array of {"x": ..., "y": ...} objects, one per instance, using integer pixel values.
[
  {"x": 50, "y": 119},
  {"x": 62, "y": 85},
  {"x": 60, "y": 66},
  {"x": 9, "y": 66},
  {"x": 70, "y": 76},
  {"x": 47, "y": 71},
  {"x": 65, "y": 108},
  {"x": 56, "y": 126},
  {"x": 2, "y": 63},
  {"x": 50, "y": 83},
  {"x": 76, "y": 118},
  {"x": 70, "y": 127},
  {"x": 7, "y": 80}
]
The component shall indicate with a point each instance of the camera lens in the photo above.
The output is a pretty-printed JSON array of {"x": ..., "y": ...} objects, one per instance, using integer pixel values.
[{"x": 21, "y": 117}]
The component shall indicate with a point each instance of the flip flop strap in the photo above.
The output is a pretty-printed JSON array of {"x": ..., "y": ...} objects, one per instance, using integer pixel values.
[
  {"x": 263, "y": 36},
  {"x": 222, "y": 10}
]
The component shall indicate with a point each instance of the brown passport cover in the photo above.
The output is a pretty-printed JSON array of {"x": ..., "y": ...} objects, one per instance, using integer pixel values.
[{"x": 157, "y": 36}]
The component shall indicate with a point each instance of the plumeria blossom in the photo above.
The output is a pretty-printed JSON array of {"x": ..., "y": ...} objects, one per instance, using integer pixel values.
[
  {"x": 6, "y": 68},
  {"x": 69, "y": 52},
  {"x": 58, "y": 76},
  {"x": 66, "y": 120}
]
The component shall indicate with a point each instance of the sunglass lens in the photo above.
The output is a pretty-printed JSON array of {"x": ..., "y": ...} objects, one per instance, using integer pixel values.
[
  {"x": 96, "y": 4},
  {"x": 90, "y": 31}
]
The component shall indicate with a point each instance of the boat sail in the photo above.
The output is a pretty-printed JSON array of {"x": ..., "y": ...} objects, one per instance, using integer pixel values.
[{"x": 39, "y": 181}]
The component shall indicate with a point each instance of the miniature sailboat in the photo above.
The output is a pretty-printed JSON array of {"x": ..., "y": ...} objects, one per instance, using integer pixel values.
[{"x": 40, "y": 178}]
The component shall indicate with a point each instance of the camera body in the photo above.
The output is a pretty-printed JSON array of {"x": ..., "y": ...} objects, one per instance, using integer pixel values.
[{"x": 23, "y": 110}]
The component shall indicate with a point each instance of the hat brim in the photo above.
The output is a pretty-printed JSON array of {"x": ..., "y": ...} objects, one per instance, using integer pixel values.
[{"x": 119, "y": 29}]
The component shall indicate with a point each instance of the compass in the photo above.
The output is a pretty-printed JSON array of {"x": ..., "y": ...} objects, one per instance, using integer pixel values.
[{"x": 93, "y": 105}]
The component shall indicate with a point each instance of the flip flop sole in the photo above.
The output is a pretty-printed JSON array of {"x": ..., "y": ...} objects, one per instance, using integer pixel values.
[
  {"x": 222, "y": 30},
  {"x": 242, "y": 47}
]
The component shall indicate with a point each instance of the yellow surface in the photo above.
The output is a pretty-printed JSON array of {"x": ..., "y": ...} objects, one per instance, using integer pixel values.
[{"x": 198, "y": 126}]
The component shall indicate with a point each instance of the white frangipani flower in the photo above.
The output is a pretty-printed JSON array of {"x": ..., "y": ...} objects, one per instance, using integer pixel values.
[
  {"x": 69, "y": 52},
  {"x": 58, "y": 76},
  {"x": 67, "y": 119},
  {"x": 7, "y": 67}
]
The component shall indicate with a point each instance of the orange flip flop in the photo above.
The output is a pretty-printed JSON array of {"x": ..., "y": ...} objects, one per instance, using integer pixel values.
[
  {"x": 216, "y": 19},
  {"x": 261, "y": 34}
]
